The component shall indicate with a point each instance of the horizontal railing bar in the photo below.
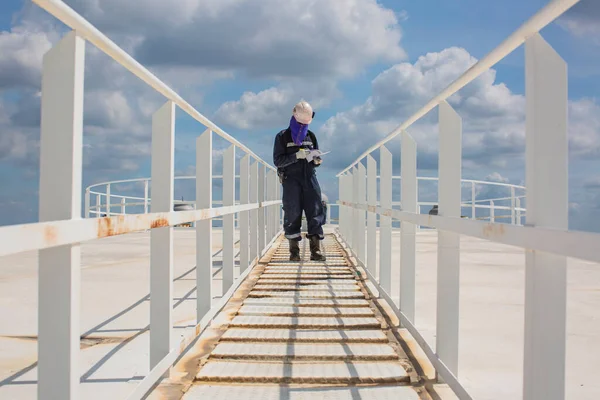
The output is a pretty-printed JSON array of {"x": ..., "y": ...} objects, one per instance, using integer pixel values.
[
  {"x": 42, "y": 235},
  {"x": 575, "y": 244},
  {"x": 69, "y": 17},
  {"x": 537, "y": 22},
  {"x": 118, "y": 182}
]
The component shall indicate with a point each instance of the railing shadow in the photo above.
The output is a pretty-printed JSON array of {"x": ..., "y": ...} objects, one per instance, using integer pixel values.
[{"x": 85, "y": 377}]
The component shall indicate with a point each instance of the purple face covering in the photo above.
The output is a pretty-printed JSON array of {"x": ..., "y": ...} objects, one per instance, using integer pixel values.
[{"x": 299, "y": 131}]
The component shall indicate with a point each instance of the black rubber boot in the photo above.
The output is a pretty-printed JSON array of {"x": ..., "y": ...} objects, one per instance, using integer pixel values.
[
  {"x": 294, "y": 250},
  {"x": 315, "y": 249}
]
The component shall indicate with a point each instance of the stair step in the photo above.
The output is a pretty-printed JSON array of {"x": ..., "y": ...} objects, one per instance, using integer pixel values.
[
  {"x": 306, "y": 281},
  {"x": 340, "y": 287},
  {"x": 304, "y": 336},
  {"x": 305, "y": 351},
  {"x": 212, "y": 391},
  {"x": 298, "y": 372},
  {"x": 249, "y": 321},
  {"x": 323, "y": 294},
  {"x": 273, "y": 301},
  {"x": 285, "y": 311},
  {"x": 304, "y": 275}
]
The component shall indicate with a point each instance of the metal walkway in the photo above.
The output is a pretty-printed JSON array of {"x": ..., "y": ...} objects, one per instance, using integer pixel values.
[{"x": 307, "y": 330}]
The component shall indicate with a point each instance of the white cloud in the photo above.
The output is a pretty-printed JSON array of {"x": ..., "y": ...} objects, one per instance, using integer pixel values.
[
  {"x": 493, "y": 116},
  {"x": 583, "y": 20},
  {"x": 21, "y": 52},
  {"x": 272, "y": 107},
  {"x": 260, "y": 38}
]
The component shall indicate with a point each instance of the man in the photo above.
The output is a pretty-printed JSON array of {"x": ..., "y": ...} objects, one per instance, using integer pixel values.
[{"x": 301, "y": 192}]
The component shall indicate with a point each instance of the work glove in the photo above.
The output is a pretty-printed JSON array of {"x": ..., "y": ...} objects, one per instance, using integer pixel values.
[
  {"x": 301, "y": 154},
  {"x": 317, "y": 160}
]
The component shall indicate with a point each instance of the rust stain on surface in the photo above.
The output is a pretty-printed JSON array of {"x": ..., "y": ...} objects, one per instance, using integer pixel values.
[
  {"x": 493, "y": 230},
  {"x": 160, "y": 223},
  {"x": 50, "y": 235},
  {"x": 111, "y": 226}
]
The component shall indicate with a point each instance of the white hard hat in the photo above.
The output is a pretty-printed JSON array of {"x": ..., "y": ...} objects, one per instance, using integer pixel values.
[{"x": 303, "y": 112}]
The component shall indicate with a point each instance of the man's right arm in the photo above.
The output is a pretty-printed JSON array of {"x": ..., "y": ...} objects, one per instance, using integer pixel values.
[{"x": 280, "y": 159}]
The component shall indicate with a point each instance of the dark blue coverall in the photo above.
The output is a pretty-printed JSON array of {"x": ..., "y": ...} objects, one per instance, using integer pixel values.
[{"x": 301, "y": 190}]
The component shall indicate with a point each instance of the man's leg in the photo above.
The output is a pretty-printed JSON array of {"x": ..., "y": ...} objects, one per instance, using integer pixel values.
[
  {"x": 313, "y": 207},
  {"x": 292, "y": 215}
]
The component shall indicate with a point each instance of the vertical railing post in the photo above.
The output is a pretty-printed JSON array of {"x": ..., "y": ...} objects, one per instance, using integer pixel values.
[
  {"x": 385, "y": 222},
  {"x": 108, "y": 201},
  {"x": 278, "y": 221},
  {"x": 228, "y": 228},
  {"x": 518, "y": 205},
  {"x": 161, "y": 239},
  {"x": 269, "y": 210},
  {"x": 371, "y": 216},
  {"x": 244, "y": 217},
  {"x": 408, "y": 168},
  {"x": 449, "y": 188},
  {"x": 546, "y": 175},
  {"x": 348, "y": 212},
  {"x": 355, "y": 223},
  {"x": 492, "y": 212},
  {"x": 473, "y": 195},
  {"x": 341, "y": 207},
  {"x": 362, "y": 214},
  {"x": 59, "y": 199},
  {"x": 123, "y": 206},
  {"x": 512, "y": 205},
  {"x": 204, "y": 259},
  {"x": 146, "y": 197},
  {"x": 87, "y": 203},
  {"x": 261, "y": 211},
  {"x": 254, "y": 213}
]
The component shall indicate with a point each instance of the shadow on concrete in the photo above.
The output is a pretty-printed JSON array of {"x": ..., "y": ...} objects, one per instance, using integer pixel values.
[{"x": 85, "y": 377}]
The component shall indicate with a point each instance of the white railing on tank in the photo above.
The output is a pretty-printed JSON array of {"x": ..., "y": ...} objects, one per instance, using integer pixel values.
[
  {"x": 61, "y": 228},
  {"x": 545, "y": 235}
]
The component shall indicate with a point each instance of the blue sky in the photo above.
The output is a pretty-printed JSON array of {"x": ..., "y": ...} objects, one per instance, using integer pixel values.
[{"x": 364, "y": 65}]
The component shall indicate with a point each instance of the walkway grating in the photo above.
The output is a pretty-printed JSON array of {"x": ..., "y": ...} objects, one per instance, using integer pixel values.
[{"x": 306, "y": 330}]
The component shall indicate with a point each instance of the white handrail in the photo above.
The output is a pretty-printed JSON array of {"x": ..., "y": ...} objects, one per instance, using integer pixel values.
[
  {"x": 536, "y": 23},
  {"x": 86, "y": 30}
]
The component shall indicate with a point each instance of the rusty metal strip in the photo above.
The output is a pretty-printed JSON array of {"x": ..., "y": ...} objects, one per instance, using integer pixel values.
[{"x": 42, "y": 235}]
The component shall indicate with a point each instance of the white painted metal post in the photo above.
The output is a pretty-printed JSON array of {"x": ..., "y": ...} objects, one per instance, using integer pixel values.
[
  {"x": 355, "y": 224},
  {"x": 146, "y": 197},
  {"x": 269, "y": 210},
  {"x": 161, "y": 239},
  {"x": 98, "y": 205},
  {"x": 385, "y": 222},
  {"x": 204, "y": 259},
  {"x": 228, "y": 227},
  {"x": 278, "y": 221},
  {"x": 261, "y": 211},
  {"x": 108, "y": 201},
  {"x": 473, "y": 196},
  {"x": 362, "y": 215},
  {"x": 254, "y": 213},
  {"x": 512, "y": 205},
  {"x": 123, "y": 206},
  {"x": 87, "y": 203},
  {"x": 518, "y": 205},
  {"x": 347, "y": 211},
  {"x": 449, "y": 188},
  {"x": 371, "y": 216},
  {"x": 492, "y": 212},
  {"x": 243, "y": 216},
  {"x": 408, "y": 231},
  {"x": 59, "y": 199},
  {"x": 547, "y": 206}
]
